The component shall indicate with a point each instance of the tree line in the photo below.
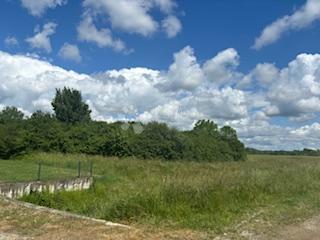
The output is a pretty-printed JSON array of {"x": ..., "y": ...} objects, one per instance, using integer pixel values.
[
  {"x": 71, "y": 130},
  {"x": 303, "y": 152}
]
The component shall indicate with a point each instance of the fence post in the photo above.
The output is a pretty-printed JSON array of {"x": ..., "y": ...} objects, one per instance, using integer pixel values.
[
  {"x": 79, "y": 169},
  {"x": 91, "y": 168},
  {"x": 39, "y": 171}
]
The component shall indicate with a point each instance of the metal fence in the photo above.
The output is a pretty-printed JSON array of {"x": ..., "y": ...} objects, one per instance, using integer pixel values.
[{"x": 79, "y": 171}]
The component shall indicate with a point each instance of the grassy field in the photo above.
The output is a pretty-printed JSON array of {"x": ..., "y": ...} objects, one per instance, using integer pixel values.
[
  {"x": 20, "y": 171},
  {"x": 209, "y": 197}
]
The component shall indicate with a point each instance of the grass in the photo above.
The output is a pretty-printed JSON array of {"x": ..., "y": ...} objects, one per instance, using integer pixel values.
[
  {"x": 189, "y": 195},
  {"x": 21, "y": 171}
]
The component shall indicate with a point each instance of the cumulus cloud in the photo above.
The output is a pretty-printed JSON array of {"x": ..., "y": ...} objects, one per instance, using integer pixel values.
[
  {"x": 172, "y": 26},
  {"x": 130, "y": 16},
  {"x": 304, "y": 17},
  {"x": 185, "y": 72},
  {"x": 264, "y": 74},
  {"x": 221, "y": 68},
  {"x": 296, "y": 89},
  {"x": 70, "y": 52},
  {"x": 41, "y": 40},
  {"x": 183, "y": 93},
  {"x": 88, "y": 32},
  {"x": 38, "y": 8},
  {"x": 11, "y": 41},
  {"x": 261, "y": 134},
  {"x": 122, "y": 94}
]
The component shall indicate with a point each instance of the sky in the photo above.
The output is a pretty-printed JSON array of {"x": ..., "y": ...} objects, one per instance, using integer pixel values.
[{"x": 253, "y": 65}]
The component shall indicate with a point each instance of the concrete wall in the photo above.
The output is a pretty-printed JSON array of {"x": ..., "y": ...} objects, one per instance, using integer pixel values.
[{"x": 17, "y": 190}]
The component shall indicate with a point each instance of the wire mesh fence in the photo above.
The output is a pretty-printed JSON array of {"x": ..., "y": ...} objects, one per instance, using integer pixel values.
[{"x": 20, "y": 171}]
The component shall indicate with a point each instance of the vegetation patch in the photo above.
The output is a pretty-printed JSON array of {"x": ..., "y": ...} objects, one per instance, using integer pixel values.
[
  {"x": 189, "y": 195},
  {"x": 71, "y": 130}
]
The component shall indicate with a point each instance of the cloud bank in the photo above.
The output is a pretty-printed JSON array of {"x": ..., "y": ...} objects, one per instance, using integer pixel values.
[{"x": 185, "y": 92}]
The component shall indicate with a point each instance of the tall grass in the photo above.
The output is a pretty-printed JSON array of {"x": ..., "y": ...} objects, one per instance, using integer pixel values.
[{"x": 190, "y": 195}]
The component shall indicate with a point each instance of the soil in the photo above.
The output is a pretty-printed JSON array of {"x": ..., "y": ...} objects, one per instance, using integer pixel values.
[{"x": 22, "y": 221}]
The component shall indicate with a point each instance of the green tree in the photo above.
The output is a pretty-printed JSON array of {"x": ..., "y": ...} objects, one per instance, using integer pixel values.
[
  {"x": 228, "y": 133},
  {"x": 206, "y": 126},
  {"x": 10, "y": 114},
  {"x": 158, "y": 141},
  {"x": 237, "y": 149},
  {"x": 69, "y": 106},
  {"x": 12, "y": 140},
  {"x": 46, "y": 133}
]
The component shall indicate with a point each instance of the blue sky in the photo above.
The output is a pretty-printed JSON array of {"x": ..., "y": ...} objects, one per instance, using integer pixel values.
[
  {"x": 251, "y": 64},
  {"x": 208, "y": 27}
]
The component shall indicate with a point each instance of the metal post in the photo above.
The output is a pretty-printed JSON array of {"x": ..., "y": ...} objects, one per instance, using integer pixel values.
[
  {"x": 39, "y": 171},
  {"x": 79, "y": 169},
  {"x": 91, "y": 168}
]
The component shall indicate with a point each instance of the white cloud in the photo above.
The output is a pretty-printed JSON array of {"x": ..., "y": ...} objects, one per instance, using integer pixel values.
[
  {"x": 296, "y": 89},
  {"x": 41, "y": 40},
  {"x": 221, "y": 68},
  {"x": 134, "y": 16},
  {"x": 172, "y": 26},
  {"x": 70, "y": 52},
  {"x": 88, "y": 32},
  {"x": 11, "y": 42},
  {"x": 166, "y": 6},
  {"x": 264, "y": 74},
  {"x": 302, "y": 18},
  {"x": 38, "y": 7},
  {"x": 175, "y": 97},
  {"x": 172, "y": 113},
  {"x": 185, "y": 72},
  {"x": 128, "y": 15},
  {"x": 121, "y": 94}
]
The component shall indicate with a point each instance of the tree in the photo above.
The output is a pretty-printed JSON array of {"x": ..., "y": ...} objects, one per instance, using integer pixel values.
[
  {"x": 10, "y": 114},
  {"x": 12, "y": 139},
  {"x": 206, "y": 126},
  {"x": 158, "y": 141},
  {"x": 228, "y": 133},
  {"x": 46, "y": 133},
  {"x": 69, "y": 107}
]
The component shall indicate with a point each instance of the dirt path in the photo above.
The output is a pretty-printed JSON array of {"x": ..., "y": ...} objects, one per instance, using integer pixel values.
[
  {"x": 20, "y": 221},
  {"x": 308, "y": 230}
]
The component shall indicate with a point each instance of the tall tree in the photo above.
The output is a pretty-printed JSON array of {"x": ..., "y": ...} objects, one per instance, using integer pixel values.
[{"x": 69, "y": 106}]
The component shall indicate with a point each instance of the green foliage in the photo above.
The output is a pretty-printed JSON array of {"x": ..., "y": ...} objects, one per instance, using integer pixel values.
[
  {"x": 304, "y": 152},
  {"x": 206, "y": 142},
  {"x": 43, "y": 132},
  {"x": 12, "y": 133},
  {"x": 69, "y": 107},
  {"x": 10, "y": 114},
  {"x": 12, "y": 140},
  {"x": 71, "y": 130},
  {"x": 191, "y": 195},
  {"x": 158, "y": 141}
]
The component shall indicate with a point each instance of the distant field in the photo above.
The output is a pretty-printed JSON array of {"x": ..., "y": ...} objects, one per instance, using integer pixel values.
[{"x": 210, "y": 197}]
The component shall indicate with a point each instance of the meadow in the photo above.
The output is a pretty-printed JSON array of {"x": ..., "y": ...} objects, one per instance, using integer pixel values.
[{"x": 188, "y": 195}]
